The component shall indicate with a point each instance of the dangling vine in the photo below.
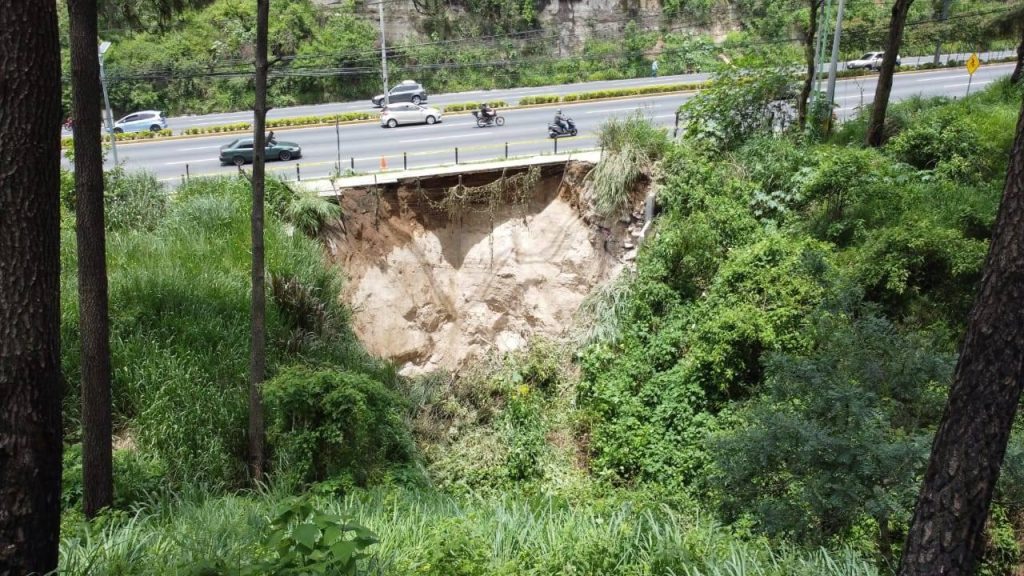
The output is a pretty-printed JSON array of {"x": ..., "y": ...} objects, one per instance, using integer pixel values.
[{"x": 506, "y": 190}]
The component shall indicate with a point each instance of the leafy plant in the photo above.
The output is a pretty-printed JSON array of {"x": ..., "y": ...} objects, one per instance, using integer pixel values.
[
  {"x": 630, "y": 147},
  {"x": 305, "y": 540}
]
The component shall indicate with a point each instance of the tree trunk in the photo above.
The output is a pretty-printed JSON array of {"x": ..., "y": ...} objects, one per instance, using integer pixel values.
[
  {"x": 93, "y": 319},
  {"x": 876, "y": 127},
  {"x": 885, "y": 541},
  {"x": 258, "y": 355},
  {"x": 947, "y": 533},
  {"x": 809, "y": 55},
  {"x": 30, "y": 380}
]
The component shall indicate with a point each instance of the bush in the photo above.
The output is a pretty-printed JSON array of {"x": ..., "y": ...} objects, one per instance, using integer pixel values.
[
  {"x": 311, "y": 213},
  {"x": 631, "y": 148},
  {"x": 735, "y": 106},
  {"x": 134, "y": 200},
  {"x": 332, "y": 424}
]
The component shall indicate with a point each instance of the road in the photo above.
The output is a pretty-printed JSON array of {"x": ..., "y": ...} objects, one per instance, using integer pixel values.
[
  {"x": 362, "y": 146},
  {"x": 510, "y": 95}
]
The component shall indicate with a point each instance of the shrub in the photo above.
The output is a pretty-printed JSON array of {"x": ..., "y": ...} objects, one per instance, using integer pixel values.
[
  {"x": 311, "y": 213},
  {"x": 134, "y": 200},
  {"x": 735, "y": 106},
  {"x": 631, "y": 147},
  {"x": 840, "y": 435},
  {"x": 333, "y": 424}
]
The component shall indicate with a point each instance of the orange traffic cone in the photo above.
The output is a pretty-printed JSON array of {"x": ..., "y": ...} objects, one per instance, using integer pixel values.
[{"x": 383, "y": 163}]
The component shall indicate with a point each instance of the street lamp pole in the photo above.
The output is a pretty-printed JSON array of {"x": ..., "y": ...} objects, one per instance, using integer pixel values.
[
  {"x": 106, "y": 99},
  {"x": 383, "y": 51}
]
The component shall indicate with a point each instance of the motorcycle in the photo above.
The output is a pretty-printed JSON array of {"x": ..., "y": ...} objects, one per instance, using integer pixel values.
[
  {"x": 492, "y": 120},
  {"x": 556, "y": 131}
]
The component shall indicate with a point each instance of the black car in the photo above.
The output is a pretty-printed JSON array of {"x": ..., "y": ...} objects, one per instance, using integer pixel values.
[{"x": 407, "y": 91}]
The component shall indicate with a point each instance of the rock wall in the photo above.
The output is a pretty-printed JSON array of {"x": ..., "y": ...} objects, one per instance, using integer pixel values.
[{"x": 432, "y": 292}]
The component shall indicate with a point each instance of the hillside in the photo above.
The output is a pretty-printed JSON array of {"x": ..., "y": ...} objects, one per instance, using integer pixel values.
[{"x": 755, "y": 395}]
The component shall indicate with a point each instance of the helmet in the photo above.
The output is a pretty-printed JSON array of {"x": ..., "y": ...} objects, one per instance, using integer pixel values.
[{"x": 559, "y": 111}]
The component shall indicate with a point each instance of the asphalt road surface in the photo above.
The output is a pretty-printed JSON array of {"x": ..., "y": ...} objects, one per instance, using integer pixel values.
[{"x": 363, "y": 146}]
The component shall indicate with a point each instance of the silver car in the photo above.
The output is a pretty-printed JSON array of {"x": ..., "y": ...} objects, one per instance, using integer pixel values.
[
  {"x": 151, "y": 120},
  {"x": 408, "y": 113}
]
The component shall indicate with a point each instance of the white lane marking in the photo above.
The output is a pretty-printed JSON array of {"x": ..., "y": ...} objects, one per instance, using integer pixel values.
[
  {"x": 432, "y": 138},
  {"x": 196, "y": 161},
  {"x": 606, "y": 110},
  {"x": 978, "y": 83},
  {"x": 198, "y": 148},
  {"x": 933, "y": 78}
]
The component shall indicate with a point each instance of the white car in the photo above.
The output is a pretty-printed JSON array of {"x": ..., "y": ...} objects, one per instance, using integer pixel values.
[
  {"x": 408, "y": 113},
  {"x": 871, "y": 61},
  {"x": 151, "y": 120}
]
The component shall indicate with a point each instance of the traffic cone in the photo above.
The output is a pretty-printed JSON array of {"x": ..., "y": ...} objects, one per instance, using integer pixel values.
[{"x": 383, "y": 163}]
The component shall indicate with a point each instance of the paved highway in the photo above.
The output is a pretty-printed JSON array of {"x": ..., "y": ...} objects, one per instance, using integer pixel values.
[
  {"x": 363, "y": 145},
  {"x": 510, "y": 95}
]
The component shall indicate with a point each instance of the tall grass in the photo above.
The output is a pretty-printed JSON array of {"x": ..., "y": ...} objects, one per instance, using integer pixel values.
[
  {"x": 631, "y": 147},
  {"x": 429, "y": 533},
  {"x": 179, "y": 301}
]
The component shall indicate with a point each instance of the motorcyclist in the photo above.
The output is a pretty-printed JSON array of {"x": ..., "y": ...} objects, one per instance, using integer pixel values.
[
  {"x": 486, "y": 111},
  {"x": 562, "y": 121}
]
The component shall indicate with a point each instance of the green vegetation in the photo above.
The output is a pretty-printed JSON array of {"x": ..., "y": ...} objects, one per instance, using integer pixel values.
[
  {"x": 195, "y": 56},
  {"x": 757, "y": 396}
]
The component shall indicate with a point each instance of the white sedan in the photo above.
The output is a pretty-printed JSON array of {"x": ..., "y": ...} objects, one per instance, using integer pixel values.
[{"x": 408, "y": 113}]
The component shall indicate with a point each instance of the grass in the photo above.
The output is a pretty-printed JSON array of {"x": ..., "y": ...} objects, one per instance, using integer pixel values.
[
  {"x": 424, "y": 532},
  {"x": 631, "y": 147}
]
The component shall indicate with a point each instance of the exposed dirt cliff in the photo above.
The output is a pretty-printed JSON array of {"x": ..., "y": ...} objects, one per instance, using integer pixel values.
[{"x": 432, "y": 286}]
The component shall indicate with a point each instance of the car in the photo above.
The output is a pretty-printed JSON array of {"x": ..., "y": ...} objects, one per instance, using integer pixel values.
[
  {"x": 406, "y": 91},
  {"x": 870, "y": 61},
  {"x": 409, "y": 113},
  {"x": 239, "y": 152},
  {"x": 151, "y": 120}
]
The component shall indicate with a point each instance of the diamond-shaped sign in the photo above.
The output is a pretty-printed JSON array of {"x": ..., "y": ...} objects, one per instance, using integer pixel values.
[{"x": 973, "y": 63}]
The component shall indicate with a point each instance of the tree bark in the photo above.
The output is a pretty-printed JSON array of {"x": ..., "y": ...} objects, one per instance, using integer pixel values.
[
  {"x": 30, "y": 380},
  {"x": 810, "y": 56},
  {"x": 258, "y": 356},
  {"x": 93, "y": 317},
  {"x": 947, "y": 533},
  {"x": 876, "y": 127}
]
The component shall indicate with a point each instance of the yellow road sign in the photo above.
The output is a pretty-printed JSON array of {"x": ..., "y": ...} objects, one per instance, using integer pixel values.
[{"x": 973, "y": 64}]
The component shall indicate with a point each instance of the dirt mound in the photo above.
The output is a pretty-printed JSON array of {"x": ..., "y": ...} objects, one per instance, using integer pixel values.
[{"x": 432, "y": 286}]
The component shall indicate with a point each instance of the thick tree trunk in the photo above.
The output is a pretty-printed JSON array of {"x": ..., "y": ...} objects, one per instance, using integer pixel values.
[
  {"x": 876, "y": 127},
  {"x": 947, "y": 533},
  {"x": 30, "y": 381},
  {"x": 258, "y": 355},
  {"x": 809, "y": 56},
  {"x": 93, "y": 319}
]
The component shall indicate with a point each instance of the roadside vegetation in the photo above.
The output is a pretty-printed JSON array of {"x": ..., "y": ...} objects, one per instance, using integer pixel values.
[
  {"x": 195, "y": 57},
  {"x": 757, "y": 397}
]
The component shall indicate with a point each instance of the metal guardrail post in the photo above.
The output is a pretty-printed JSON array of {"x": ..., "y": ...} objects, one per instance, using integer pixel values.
[
  {"x": 187, "y": 175},
  {"x": 352, "y": 162},
  {"x": 405, "y": 160},
  {"x": 298, "y": 175},
  {"x": 456, "y": 154},
  {"x": 556, "y": 144},
  {"x": 506, "y": 150}
]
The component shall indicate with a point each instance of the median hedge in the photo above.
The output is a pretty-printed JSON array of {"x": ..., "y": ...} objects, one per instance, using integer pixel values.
[
  {"x": 464, "y": 106},
  {"x": 610, "y": 93},
  {"x": 68, "y": 141}
]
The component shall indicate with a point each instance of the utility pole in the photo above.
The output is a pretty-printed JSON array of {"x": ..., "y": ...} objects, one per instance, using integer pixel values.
[
  {"x": 104, "y": 46},
  {"x": 823, "y": 19},
  {"x": 383, "y": 51},
  {"x": 835, "y": 61},
  {"x": 946, "y": 4}
]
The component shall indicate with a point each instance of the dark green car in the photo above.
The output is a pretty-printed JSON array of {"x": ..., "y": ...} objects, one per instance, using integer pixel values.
[{"x": 240, "y": 151}]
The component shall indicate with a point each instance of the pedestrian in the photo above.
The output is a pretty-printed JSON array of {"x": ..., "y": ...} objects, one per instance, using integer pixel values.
[{"x": 654, "y": 68}]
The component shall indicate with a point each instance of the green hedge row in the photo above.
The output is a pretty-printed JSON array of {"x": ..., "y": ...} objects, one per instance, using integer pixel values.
[
  {"x": 925, "y": 66},
  {"x": 610, "y": 93},
  {"x": 464, "y": 106},
  {"x": 68, "y": 141}
]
